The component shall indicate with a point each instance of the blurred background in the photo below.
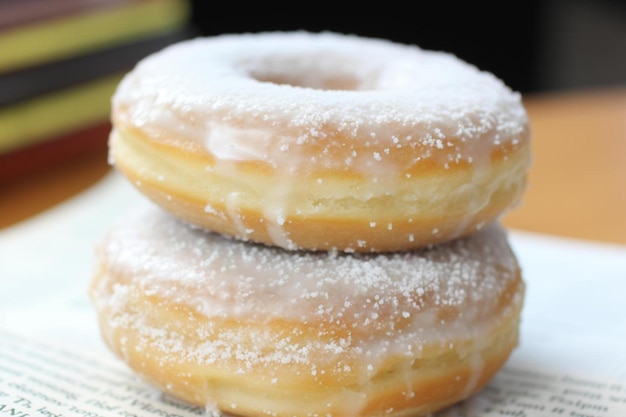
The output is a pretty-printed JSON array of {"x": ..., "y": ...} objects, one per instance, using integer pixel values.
[
  {"x": 534, "y": 45},
  {"x": 60, "y": 60}
]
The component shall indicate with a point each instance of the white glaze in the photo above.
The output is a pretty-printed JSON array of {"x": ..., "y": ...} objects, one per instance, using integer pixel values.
[
  {"x": 388, "y": 303},
  {"x": 402, "y": 105}
]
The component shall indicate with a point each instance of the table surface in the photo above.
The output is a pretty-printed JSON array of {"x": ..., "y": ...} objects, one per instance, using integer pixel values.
[{"x": 576, "y": 186}]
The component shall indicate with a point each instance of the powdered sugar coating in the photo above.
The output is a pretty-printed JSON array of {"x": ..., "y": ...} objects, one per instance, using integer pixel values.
[
  {"x": 306, "y": 102},
  {"x": 370, "y": 305}
]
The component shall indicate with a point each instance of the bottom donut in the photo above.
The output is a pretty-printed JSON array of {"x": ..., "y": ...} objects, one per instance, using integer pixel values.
[{"x": 253, "y": 330}]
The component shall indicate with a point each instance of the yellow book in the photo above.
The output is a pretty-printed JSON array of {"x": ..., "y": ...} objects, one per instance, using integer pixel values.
[
  {"x": 56, "y": 113},
  {"x": 58, "y": 37}
]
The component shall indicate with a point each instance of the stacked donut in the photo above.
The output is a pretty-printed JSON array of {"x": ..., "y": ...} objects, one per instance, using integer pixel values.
[{"x": 325, "y": 238}]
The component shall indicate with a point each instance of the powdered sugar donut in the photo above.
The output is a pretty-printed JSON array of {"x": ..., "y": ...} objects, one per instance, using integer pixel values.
[
  {"x": 321, "y": 140},
  {"x": 256, "y": 330}
]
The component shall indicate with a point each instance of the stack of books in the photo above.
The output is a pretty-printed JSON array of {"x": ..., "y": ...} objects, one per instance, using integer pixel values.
[{"x": 60, "y": 62}]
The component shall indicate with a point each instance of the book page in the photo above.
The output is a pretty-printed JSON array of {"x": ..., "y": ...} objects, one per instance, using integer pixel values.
[{"x": 42, "y": 379}]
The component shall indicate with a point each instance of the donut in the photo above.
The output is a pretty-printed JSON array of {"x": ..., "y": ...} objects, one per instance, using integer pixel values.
[
  {"x": 321, "y": 141},
  {"x": 256, "y": 330}
]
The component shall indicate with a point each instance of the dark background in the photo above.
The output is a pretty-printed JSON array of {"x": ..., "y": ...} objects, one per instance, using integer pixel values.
[{"x": 532, "y": 45}]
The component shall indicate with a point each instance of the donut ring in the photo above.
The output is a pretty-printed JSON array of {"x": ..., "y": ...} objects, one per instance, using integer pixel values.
[
  {"x": 321, "y": 141},
  {"x": 255, "y": 330}
]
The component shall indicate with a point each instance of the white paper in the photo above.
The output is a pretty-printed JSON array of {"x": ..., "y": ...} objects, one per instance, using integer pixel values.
[{"x": 571, "y": 360}]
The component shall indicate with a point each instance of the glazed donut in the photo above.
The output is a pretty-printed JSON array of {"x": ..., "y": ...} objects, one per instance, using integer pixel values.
[
  {"x": 256, "y": 330},
  {"x": 321, "y": 140}
]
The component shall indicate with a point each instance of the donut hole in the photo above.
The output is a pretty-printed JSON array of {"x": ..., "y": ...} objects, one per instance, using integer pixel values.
[
  {"x": 337, "y": 83},
  {"x": 319, "y": 73}
]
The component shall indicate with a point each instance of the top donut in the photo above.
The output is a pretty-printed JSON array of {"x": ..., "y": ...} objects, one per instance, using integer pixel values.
[{"x": 321, "y": 141}]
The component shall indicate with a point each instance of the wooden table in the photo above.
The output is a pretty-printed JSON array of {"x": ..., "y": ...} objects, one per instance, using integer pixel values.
[{"x": 577, "y": 184}]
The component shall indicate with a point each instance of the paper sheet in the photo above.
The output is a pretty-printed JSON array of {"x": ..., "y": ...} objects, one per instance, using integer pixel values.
[{"x": 571, "y": 360}]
